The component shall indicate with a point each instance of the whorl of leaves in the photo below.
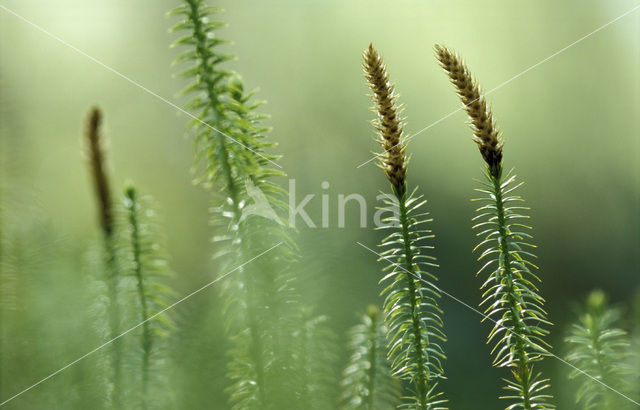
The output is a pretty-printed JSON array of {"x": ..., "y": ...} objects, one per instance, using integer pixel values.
[
  {"x": 412, "y": 314},
  {"x": 598, "y": 348},
  {"x": 367, "y": 382},
  {"x": 511, "y": 298},
  {"x": 229, "y": 139}
]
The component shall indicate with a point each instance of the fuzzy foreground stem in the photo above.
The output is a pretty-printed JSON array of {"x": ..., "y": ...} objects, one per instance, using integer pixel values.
[
  {"x": 372, "y": 334},
  {"x": 209, "y": 76},
  {"x": 260, "y": 300}
]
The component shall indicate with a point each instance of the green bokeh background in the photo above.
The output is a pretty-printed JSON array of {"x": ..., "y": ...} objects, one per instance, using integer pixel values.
[{"x": 570, "y": 125}]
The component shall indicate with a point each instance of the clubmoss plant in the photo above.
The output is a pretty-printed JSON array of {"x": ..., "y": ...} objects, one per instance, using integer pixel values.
[
  {"x": 367, "y": 383},
  {"x": 599, "y": 348},
  {"x": 510, "y": 295},
  {"x": 145, "y": 262},
  {"x": 230, "y": 151},
  {"x": 411, "y": 310},
  {"x": 100, "y": 179}
]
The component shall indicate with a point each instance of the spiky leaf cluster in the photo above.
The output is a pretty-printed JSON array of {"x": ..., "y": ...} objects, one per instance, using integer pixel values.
[
  {"x": 511, "y": 298},
  {"x": 143, "y": 255},
  {"x": 412, "y": 314},
  {"x": 229, "y": 140},
  {"x": 599, "y": 348},
  {"x": 367, "y": 382}
]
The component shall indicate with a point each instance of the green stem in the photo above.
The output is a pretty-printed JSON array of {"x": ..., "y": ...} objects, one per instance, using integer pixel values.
[
  {"x": 421, "y": 382},
  {"x": 596, "y": 347},
  {"x": 207, "y": 77},
  {"x": 523, "y": 366},
  {"x": 146, "y": 340}
]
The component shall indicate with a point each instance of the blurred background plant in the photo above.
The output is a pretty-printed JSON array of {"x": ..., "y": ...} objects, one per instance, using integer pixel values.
[
  {"x": 576, "y": 147},
  {"x": 601, "y": 349}
]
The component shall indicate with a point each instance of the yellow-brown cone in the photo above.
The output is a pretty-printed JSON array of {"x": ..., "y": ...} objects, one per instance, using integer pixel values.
[
  {"x": 388, "y": 122},
  {"x": 485, "y": 131}
]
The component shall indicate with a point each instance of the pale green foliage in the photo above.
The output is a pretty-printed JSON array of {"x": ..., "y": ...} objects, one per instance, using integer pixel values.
[
  {"x": 8, "y": 269},
  {"x": 599, "y": 348},
  {"x": 367, "y": 382},
  {"x": 24, "y": 250},
  {"x": 412, "y": 315},
  {"x": 99, "y": 304},
  {"x": 260, "y": 302},
  {"x": 142, "y": 286},
  {"x": 510, "y": 297}
]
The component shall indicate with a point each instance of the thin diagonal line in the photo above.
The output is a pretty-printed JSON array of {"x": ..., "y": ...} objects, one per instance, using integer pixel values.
[
  {"x": 119, "y": 74},
  {"x": 565, "y": 48},
  {"x": 140, "y": 324},
  {"x": 535, "y": 346}
]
